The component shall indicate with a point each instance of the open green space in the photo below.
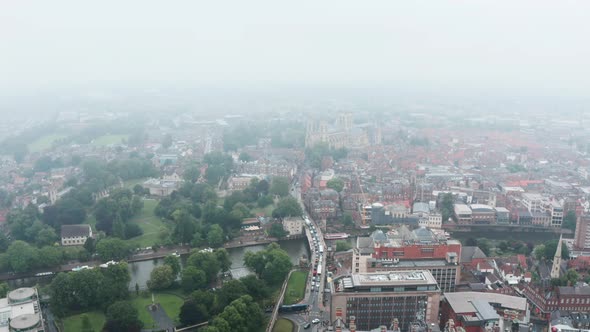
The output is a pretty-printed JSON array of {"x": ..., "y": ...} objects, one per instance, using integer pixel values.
[
  {"x": 267, "y": 211},
  {"x": 295, "y": 287},
  {"x": 44, "y": 142},
  {"x": 74, "y": 323},
  {"x": 169, "y": 302},
  {"x": 131, "y": 183},
  {"x": 283, "y": 325},
  {"x": 105, "y": 140},
  {"x": 149, "y": 223}
]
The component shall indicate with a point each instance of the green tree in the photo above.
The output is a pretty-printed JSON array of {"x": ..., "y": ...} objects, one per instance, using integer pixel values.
[
  {"x": 50, "y": 256},
  {"x": 215, "y": 236},
  {"x": 116, "y": 282},
  {"x": 287, "y": 206},
  {"x": 271, "y": 264},
  {"x": 484, "y": 245},
  {"x": 3, "y": 289},
  {"x": 277, "y": 230},
  {"x": 174, "y": 263},
  {"x": 206, "y": 261},
  {"x": 539, "y": 252},
  {"x": 223, "y": 258},
  {"x": 343, "y": 246},
  {"x": 257, "y": 288},
  {"x": 230, "y": 291},
  {"x": 279, "y": 186},
  {"x": 22, "y": 257},
  {"x": 347, "y": 220},
  {"x": 242, "y": 315},
  {"x": 90, "y": 245},
  {"x": 112, "y": 249},
  {"x": 122, "y": 317},
  {"x": 264, "y": 201},
  {"x": 185, "y": 226},
  {"x": 138, "y": 189},
  {"x": 192, "y": 173},
  {"x": 46, "y": 236},
  {"x": 446, "y": 207},
  {"x": 193, "y": 278},
  {"x": 214, "y": 173},
  {"x": 161, "y": 277},
  {"x": 192, "y": 313},
  {"x": 551, "y": 248},
  {"x": 569, "y": 221},
  {"x": 336, "y": 184},
  {"x": 4, "y": 242}
]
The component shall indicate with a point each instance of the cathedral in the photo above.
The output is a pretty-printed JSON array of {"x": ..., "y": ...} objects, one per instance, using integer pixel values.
[{"x": 343, "y": 133}]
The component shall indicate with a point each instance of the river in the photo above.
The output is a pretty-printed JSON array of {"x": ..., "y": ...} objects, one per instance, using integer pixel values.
[{"x": 140, "y": 271}]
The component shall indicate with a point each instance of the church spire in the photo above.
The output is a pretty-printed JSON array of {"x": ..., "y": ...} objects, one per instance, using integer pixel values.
[{"x": 556, "y": 268}]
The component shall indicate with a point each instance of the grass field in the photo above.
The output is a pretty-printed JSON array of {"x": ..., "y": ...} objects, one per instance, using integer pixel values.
[
  {"x": 74, "y": 323},
  {"x": 295, "y": 288},
  {"x": 171, "y": 304},
  {"x": 131, "y": 183},
  {"x": 267, "y": 210},
  {"x": 44, "y": 142},
  {"x": 149, "y": 223},
  {"x": 283, "y": 325},
  {"x": 105, "y": 140}
]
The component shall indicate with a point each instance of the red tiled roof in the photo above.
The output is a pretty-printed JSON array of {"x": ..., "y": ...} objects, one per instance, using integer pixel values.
[{"x": 522, "y": 261}]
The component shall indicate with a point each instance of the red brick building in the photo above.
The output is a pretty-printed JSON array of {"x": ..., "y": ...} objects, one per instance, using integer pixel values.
[{"x": 567, "y": 298}]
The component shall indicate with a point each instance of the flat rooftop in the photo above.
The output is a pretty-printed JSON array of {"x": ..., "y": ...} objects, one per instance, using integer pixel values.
[
  {"x": 400, "y": 278},
  {"x": 462, "y": 302},
  {"x": 413, "y": 263},
  {"x": 462, "y": 209}
]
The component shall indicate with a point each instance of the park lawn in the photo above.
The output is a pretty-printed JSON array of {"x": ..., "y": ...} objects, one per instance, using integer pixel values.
[
  {"x": 74, "y": 323},
  {"x": 149, "y": 223},
  {"x": 44, "y": 142},
  {"x": 129, "y": 184},
  {"x": 295, "y": 287},
  {"x": 283, "y": 325},
  {"x": 267, "y": 211},
  {"x": 171, "y": 304},
  {"x": 105, "y": 140}
]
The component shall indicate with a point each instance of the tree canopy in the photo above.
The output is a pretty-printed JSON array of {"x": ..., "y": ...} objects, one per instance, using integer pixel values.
[
  {"x": 271, "y": 264},
  {"x": 336, "y": 184},
  {"x": 279, "y": 186},
  {"x": 287, "y": 206}
]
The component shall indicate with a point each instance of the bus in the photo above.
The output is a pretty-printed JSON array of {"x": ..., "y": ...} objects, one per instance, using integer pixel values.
[
  {"x": 321, "y": 249},
  {"x": 292, "y": 308},
  {"x": 320, "y": 269}
]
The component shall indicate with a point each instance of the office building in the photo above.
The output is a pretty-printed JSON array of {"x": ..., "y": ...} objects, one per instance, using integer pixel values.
[{"x": 376, "y": 299}]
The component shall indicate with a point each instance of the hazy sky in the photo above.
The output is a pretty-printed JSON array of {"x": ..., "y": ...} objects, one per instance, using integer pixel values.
[{"x": 520, "y": 46}]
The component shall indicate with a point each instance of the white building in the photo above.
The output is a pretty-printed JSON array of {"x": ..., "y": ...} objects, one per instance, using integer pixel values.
[
  {"x": 20, "y": 311},
  {"x": 293, "y": 225},
  {"x": 75, "y": 235}
]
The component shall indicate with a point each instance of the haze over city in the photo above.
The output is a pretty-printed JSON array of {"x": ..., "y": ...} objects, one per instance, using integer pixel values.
[
  {"x": 322, "y": 166},
  {"x": 526, "y": 49}
]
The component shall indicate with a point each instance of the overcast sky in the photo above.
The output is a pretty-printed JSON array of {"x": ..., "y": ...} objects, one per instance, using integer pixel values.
[{"x": 531, "y": 47}]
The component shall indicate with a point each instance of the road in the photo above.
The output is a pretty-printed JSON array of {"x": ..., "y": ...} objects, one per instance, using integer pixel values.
[{"x": 318, "y": 304}]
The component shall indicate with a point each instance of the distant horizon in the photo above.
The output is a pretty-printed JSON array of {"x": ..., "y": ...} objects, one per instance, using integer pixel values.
[{"x": 467, "y": 49}]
